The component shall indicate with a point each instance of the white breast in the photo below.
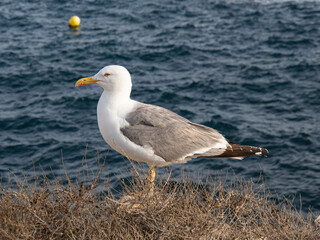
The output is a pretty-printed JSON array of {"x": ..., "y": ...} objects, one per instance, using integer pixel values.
[{"x": 111, "y": 118}]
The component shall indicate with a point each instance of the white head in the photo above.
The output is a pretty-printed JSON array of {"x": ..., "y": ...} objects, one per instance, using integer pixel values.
[{"x": 113, "y": 79}]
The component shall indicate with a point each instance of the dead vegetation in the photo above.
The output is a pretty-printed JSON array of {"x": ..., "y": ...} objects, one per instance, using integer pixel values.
[{"x": 65, "y": 209}]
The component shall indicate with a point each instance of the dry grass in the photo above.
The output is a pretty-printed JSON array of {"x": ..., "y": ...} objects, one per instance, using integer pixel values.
[{"x": 69, "y": 210}]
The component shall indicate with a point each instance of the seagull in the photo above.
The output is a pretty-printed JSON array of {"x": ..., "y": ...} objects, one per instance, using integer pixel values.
[{"x": 152, "y": 134}]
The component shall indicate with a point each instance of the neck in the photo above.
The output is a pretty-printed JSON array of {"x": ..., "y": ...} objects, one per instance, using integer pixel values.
[{"x": 116, "y": 99}]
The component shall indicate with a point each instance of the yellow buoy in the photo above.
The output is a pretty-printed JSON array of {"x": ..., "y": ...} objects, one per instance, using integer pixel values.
[{"x": 74, "y": 22}]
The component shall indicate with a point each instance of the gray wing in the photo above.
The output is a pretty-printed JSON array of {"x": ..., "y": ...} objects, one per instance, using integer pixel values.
[{"x": 171, "y": 136}]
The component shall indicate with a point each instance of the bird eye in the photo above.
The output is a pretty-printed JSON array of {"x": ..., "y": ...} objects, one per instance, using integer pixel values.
[{"x": 106, "y": 74}]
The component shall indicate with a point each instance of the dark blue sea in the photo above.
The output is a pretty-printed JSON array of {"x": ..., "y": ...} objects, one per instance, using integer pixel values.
[{"x": 249, "y": 69}]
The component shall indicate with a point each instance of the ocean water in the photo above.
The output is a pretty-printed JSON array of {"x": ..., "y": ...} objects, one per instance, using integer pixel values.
[{"x": 249, "y": 69}]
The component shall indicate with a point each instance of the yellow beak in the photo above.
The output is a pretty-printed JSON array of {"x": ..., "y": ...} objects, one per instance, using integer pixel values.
[{"x": 86, "y": 81}]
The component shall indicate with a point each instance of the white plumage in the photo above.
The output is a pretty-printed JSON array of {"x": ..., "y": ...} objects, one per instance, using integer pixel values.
[{"x": 151, "y": 134}]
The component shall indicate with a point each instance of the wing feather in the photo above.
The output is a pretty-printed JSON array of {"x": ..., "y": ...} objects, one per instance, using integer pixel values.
[{"x": 171, "y": 136}]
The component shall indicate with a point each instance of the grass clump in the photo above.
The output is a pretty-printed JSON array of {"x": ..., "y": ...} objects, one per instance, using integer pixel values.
[{"x": 65, "y": 209}]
